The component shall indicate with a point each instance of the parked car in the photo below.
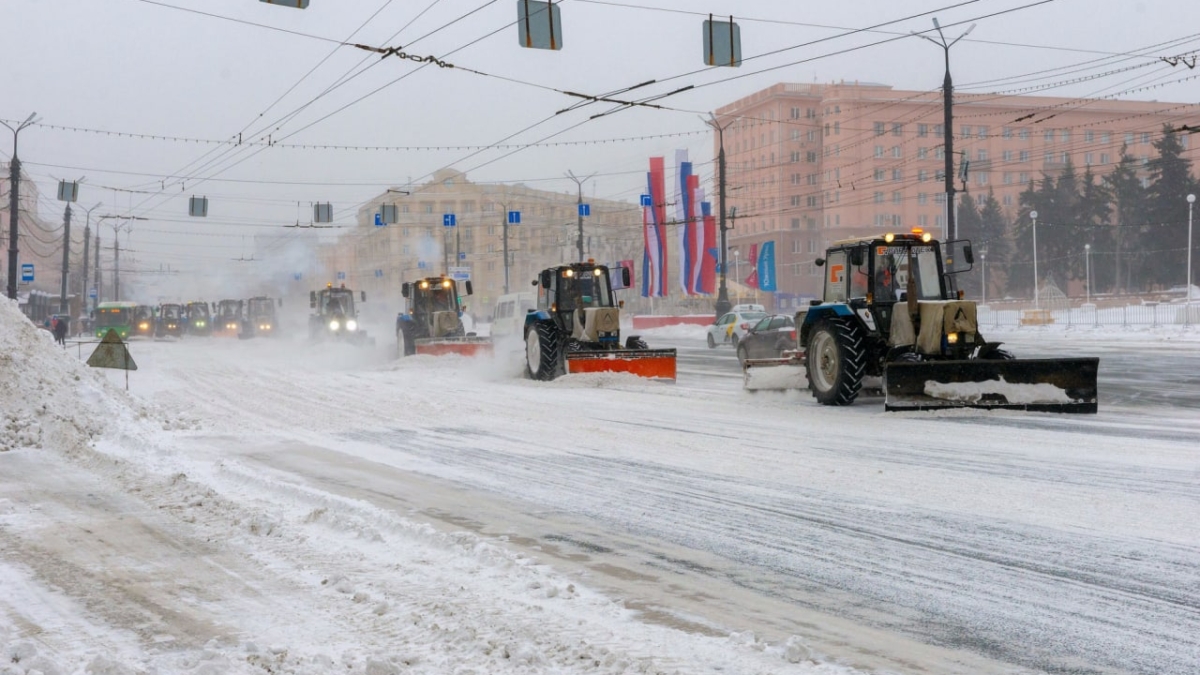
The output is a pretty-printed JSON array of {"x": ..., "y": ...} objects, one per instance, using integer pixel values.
[
  {"x": 729, "y": 329},
  {"x": 768, "y": 338}
]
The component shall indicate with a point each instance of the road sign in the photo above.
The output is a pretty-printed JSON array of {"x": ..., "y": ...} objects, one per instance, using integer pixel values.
[
  {"x": 341, "y": 276},
  {"x": 378, "y": 273},
  {"x": 26, "y": 272},
  {"x": 420, "y": 264},
  {"x": 91, "y": 293},
  {"x": 378, "y": 220},
  {"x": 646, "y": 201},
  {"x": 448, "y": 220},
  {"x": 585, "y": 209},
  {"x": 113, "y": 353},
  {"x": 296, "y": 276},
  {"x": 462, "y": 256},
  {"x": 514, "y": 217},
  {"x": 460, "y": 273}
]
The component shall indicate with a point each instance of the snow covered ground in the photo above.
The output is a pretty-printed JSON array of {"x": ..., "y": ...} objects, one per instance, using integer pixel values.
[{"x": 270, "y": 505}]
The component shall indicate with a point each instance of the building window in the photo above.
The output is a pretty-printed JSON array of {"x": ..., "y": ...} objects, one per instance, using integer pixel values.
[
  {"x": 896, "y": 151},
  {"x": 982, "y": 132},
  {"x": 1065, "y": 135},
  {"x": 1023, "y": 178},
  {"x": 1104, "y": 156},
  {"x": 922, "y": 198},
  {"x": 879, "y": 151},
  {"x": 837, "y": 128},
  {"x": 795, "y": 134},
  {"x": 404, "y": 209},
  {"x": 1105, "y": 137},
  {"x": 1008, "y": 178},
  {"x": 923, "y": 221},
  {"x": 812, "y": 200},
  {"x": 981, "y": 155},
  {"x": 1008, "y": 200},
  {"x": 812, "y": 157},
  {"x": 795, "y": 157},
  {"x": 812, "y": 179},
  {"x": 896, "y": 198},
  {"x": 1065, "y": 157},
  {"x": 965, "y": 131},
  {"x": 922, "y": 130},
  {"x": 1129, "y": 138},
  {"x": 1145, "y": 137},
  {"x": 795, "y": 113},
  {"x": 811, "y": 136},
  {"x": 939, "y": 152},
  {"x": 795, "y": 200},
  {"x": 1048, "y": 158},
  {"x": 427, "y": 207},
  {"x": 1023, "y": 134},
  {"x": 981, "y": 179},
  {"x": 1088, "y": 158},
  {"x": 879, "y": 174},
  {"x": 897, "y": 129},
  {"x": 939, "y": 198},
  {"x": 1024, "y": 155},
  {"x": 795, "y": 179},
  {"x": 937, "y": 131},
  {"x": 879, "y": 128},
  {"x": 1007, "y": 155},
  {"x": 922, "y": 153},
  {"x": 1089, "y": 136},
  {"x": 878, "y": 197},
  {"x": 897, "y": 174},
  {"x": 827, "y": 128},
  {"x": 1007, "y": 132},
  {"x": 922, "y": 175},
  {"x": 939, "y": 221}
]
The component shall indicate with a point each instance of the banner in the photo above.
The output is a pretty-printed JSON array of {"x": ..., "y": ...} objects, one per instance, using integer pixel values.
[
  {"x": 766, "y": 267},
  {"x": 752, "y": 280},
  {"x": 712, "y": 255},
  {"x": 654, "y": 224}
]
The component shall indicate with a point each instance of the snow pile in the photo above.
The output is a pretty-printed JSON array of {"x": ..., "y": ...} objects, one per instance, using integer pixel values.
[
  {"x": 973, "y": 392},
  {"x": 49, "y": 398}
]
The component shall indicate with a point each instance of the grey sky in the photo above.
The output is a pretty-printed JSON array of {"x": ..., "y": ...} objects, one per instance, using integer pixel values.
[{"x": 134, "y": 66}]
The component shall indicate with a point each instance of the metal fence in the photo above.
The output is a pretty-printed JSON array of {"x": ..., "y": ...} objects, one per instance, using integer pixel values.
[{"x": 1146, "y": 314}]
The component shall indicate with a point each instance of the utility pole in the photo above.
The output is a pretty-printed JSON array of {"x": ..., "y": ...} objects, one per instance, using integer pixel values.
[
  {"x": 116, "y": 267},
  {"x": 723, "y": 305},
  {"x": 504, "y": 237},
  {"x": 579, "y": 211},
  {"x": 66, "y": 264},
  {"x": 14, "y": 177},
  {"x": 99, "y": 293},
  {"x": 87, "y": 238},
  {"x": 948, "y": 125}
]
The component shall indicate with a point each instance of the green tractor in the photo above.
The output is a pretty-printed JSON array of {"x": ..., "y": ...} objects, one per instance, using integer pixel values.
[{"x": 576, "y": 328}]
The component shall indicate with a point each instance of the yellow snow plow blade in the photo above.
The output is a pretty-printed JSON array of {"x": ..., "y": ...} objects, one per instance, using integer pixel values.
[
  {"x": 653, "y": 363},
  {"x": 463, "y": 346},
  {"x": 1048, "y": 385},
  {"x": 786, "y": 372}
]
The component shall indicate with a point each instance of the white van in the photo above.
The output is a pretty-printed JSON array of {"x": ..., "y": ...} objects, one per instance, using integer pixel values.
[{"x": 509, "y": 316}]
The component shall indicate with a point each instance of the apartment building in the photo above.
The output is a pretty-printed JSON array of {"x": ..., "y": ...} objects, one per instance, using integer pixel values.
[
  {"x": 379, "y": 258},
  {"x": 808, "y": 164}
]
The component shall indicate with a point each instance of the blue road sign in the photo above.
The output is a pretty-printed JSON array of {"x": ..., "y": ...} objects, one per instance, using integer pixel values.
[
  {"x": 585, "y": 209},
  {"x": 341, "y": 276},
  {"x": 26, "y": 272},
  {"x": 91, "y": 292},
  {"x": 646, "y": 201},
  {"x": 420, "y": 264},
  {"x": 296, "y": 276},
  {"x": 462, "y": 256},
  {"x": 378, "y": 273},
  {"x": 448, "y": 220},
  {"x": 378, "y": 220},
  {"x": 514, "y": 217}
]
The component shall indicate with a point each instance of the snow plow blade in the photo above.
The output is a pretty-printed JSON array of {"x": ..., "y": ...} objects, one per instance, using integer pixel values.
[
  {"x": 786, "y": 372},
  {"x": 1047, "y": 385},
  {"x": 463, "y": 346},
  {"x": 653, "y": 363}
]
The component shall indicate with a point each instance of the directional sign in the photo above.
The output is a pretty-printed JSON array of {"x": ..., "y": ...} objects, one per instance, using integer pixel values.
[
  {"x": 462, "y": 256},
  {"x": 296, "y": 276},
  {"x": 378, "y": 273},
  {"x": 514, "y": 217},
  {"x": 341, "y": 276},
  {"x": 460, "y": 273},
  {"x": 26, "y": 272},
  {"x": 646, "y": 201},
  {"x": 420, "y": 264},
  {"x": 585, "y": 209},
  {"x": 378, "y": 220},
  {"x": 448, "y": 220}
]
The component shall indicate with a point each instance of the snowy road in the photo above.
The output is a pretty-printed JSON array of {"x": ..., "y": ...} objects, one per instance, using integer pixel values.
[{"x": 985, "y": 542}]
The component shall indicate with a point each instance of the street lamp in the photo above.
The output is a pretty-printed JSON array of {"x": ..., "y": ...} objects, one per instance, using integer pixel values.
[
  {"x": 723, "y": 305},
  {"x": 983, "y": 257},
  {"x": 87, "y": 238},
  {"x": 1087, "y": 266},
  {"x": 1191, "y": 200},
  {"x": 14, "y": 173},
  {"x": 1036, "y": 305}
]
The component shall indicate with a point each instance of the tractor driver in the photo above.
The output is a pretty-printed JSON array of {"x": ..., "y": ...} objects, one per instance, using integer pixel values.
[{"x": 885, "y": 278}]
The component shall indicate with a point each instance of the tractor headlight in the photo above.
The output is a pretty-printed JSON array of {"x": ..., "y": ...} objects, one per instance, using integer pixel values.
[
  {"x": 334, "y": 325},
  {"x": 952, "y": 338},
  {"x": 265, "y": 326},
  {"x": 927, "y": 237},
  {"x": 351, "y": 325},
  {"x": 889, "y": 237},
  {"x": 200, "y": 324}
]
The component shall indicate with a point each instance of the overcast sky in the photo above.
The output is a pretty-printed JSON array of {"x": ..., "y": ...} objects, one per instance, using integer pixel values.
[{"x": 139, "y": 66}]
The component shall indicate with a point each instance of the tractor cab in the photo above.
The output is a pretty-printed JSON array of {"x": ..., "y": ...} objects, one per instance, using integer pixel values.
[
  {"x": 260, "y": 316},
  {"x": 143, "y": 320},
  {"x": 228, "y": 317},
  {"x": 334, "y": 314},
  {"x": 433, "y": 323},
  {"x": 170, "y": 320},
  {"x": 199, "y": 320}
]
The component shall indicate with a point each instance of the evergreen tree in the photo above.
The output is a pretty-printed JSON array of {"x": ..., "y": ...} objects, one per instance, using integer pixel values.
[
  {"x": 1129, "y": 220},
  {"x": 1166, "y": 205},
  {"x": 992, "y": 242},
  {"x": 1019, "y": 271},
  {"x": 969, "y": 228},
  {"x": 1094, "y": 211}
]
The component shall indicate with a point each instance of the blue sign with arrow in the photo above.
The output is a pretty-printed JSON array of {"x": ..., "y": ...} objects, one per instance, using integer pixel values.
[
  {"x": 514, "y": 217},
  {"x": 646, "y": 201},
  {"x": 378, "y": 220},
  {"x": 420, "y": 264},
  {"x": 585, "y": 209},
  {"x": 448, "y": 220},
  {"x": 341, "y": 276}
]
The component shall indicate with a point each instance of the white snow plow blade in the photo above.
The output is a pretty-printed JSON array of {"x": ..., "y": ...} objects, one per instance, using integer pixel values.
[{"x": 786, "y": 372}]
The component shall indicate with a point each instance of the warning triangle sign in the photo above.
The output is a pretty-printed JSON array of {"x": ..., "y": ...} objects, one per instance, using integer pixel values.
[{"x": 112, "y": 353}]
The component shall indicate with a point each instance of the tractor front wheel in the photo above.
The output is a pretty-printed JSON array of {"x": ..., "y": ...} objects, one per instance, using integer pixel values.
[
  {"x": 405, "y": 346},
  {"x": 543, "y": 351},
  {"x": 836, "y": 361}
]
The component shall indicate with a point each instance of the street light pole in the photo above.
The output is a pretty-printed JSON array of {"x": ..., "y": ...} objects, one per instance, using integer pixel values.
[
  {"x": 1087, "y": 267},
  {"x": 14, "y": 177},
  {"x": 723, "y": 305},
  {"x": 1036, "y": 304},
  {"x": 579, "y": 211},
  {"x": 948, "y": 124},
  {"x": 1191, "y": 199},
  {"x": 66, "y": 260},
  {"x": 983, "y": 256},
  {"x": 87, "y": 240}
]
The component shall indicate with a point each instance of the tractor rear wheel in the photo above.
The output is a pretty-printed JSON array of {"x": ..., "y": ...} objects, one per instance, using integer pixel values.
[
  {"x": 543, "y": 351},
  {"x": 836, "y": 361}
]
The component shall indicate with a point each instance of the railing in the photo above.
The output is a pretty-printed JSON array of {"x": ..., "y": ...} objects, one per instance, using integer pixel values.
[{"x": 1149, "y": 314}]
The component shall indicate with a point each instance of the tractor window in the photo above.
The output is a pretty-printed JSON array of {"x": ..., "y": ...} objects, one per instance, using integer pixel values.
[
  {"x": 929, "y": 285},
  {"x": 584, "y": 289},
  {"x": 858, "y": 280},
  {"x": 886, "y": 279},
  {"x": 835, "y": 277}
]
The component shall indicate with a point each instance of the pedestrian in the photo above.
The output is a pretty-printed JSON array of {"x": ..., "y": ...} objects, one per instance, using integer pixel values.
[{"x": 60, "y": 331}]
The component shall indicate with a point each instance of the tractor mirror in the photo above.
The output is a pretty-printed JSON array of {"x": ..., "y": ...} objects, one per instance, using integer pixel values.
[
  {"x": 545, "y": 278},
  {"x": 363, "y": 295},
  {"x": 625, "y": 280},
  {"x": 968, "y": 254},
  {"x": 405, "y": 289},
  {"x": 819, "y": 262},
  {"x": 312, "y": 298},
  {"x": 469, "y": 289},
  {"x": 856, "y": 256}
]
